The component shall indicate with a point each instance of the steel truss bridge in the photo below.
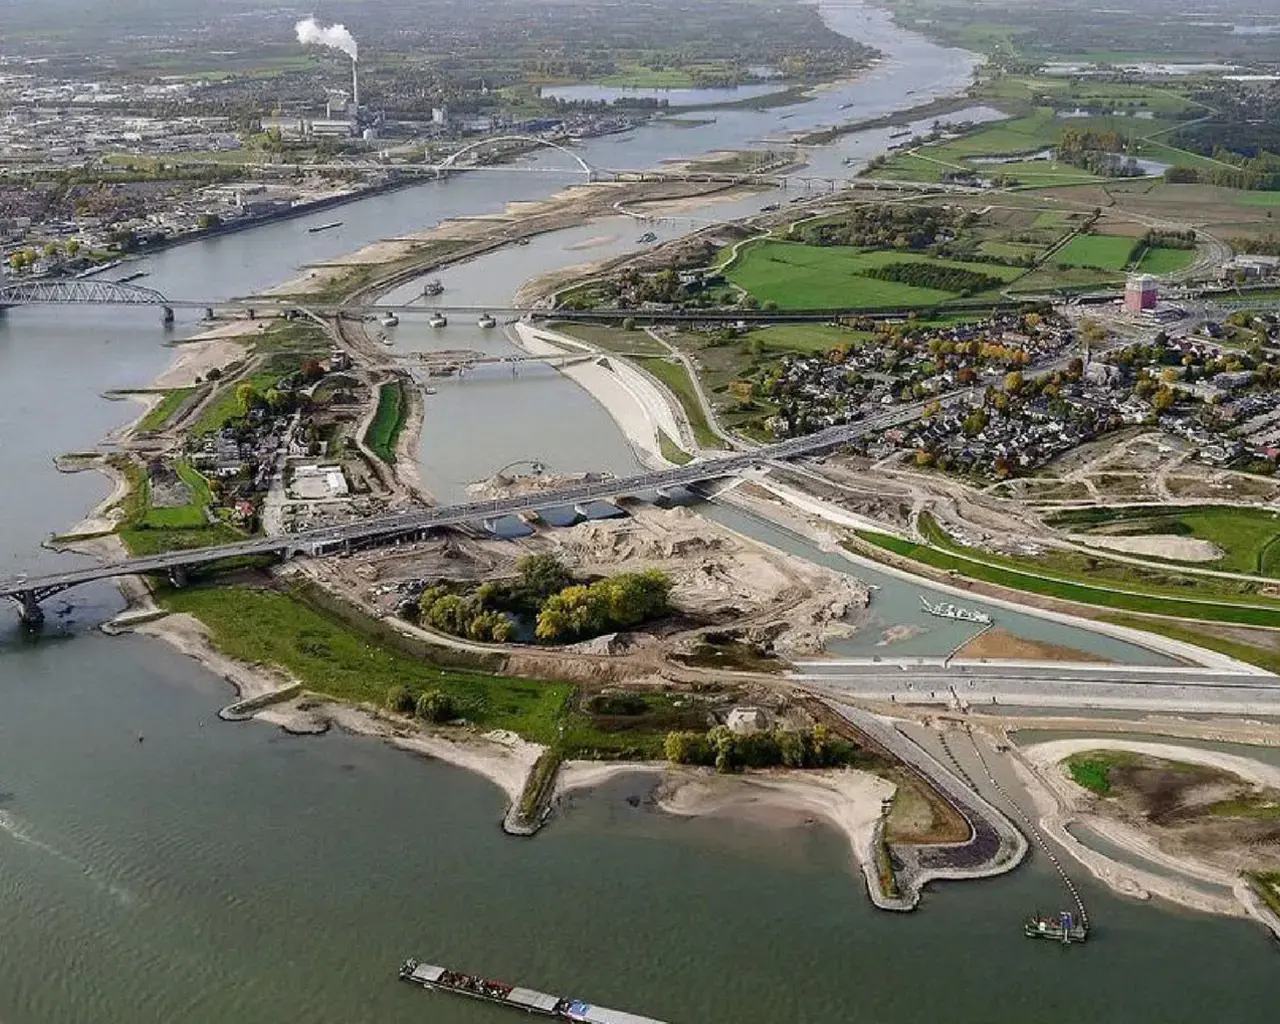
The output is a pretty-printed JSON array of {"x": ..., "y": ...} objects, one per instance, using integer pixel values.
[
  {"x": 28, "y": 592},
  {"x": 79, "y": 290}
]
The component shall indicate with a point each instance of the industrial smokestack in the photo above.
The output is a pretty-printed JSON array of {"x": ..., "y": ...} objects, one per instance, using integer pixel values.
[{"x": 355, "y": 88}]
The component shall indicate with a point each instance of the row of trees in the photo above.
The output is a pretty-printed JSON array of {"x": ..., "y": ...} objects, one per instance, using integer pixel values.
[
  {"x": 728, "y": 751},
  {"x": 888, "y": 226},
  {"x": 957, "y": 280}
]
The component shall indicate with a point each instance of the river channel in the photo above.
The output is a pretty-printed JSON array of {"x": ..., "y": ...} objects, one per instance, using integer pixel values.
[{"x": 159, "y": 865}]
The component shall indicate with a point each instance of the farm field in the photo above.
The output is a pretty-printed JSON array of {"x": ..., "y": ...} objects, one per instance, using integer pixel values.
[
  {"x": 1165, "y": 261},
  {"x": 1105, "y": 252},
  {"x": 797, "y": 276}
]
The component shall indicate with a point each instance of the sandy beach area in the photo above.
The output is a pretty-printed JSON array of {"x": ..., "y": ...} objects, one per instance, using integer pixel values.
[
  {"x": 850, "y": 801},
  {"x": 639, "y": 407}
]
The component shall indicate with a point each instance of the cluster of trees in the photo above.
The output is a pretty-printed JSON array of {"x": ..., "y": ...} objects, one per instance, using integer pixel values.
[
  {"x": 885, "y": 226},
  {"x": 957, "y": 280},
  {"x": 1155, "y": 239},
  {"x": 1258, "y": 174},
  {"x": 463, "y": 615},
  {"x": 430, "y": 705},
  {"x": 729, "y": 751},
  {"x": 616, "y": 602},
  {"x": 544, "y": 589}
]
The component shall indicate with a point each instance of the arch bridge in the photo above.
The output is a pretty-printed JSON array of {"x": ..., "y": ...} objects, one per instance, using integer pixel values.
[
  {"x": 452, "y": 158},
  {"x": 82, "y": 291}
]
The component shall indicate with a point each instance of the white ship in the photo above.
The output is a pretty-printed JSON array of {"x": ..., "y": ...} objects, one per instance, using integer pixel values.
[{"x": 947, "y": 610}]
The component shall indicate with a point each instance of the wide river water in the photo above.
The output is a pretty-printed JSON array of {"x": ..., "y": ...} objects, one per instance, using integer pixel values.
[{"x": 218, "y": 872}]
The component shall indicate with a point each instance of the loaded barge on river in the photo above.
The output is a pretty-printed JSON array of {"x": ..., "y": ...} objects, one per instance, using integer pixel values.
[
  {"x": 1065, "y": 928},
  {"x": 526, "y": 999}
]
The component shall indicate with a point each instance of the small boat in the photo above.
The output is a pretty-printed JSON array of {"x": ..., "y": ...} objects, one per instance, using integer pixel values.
[
  {"x": 647, "y": 237},
  {"x": 324, "y": 227},
  {"x": 522, "y": 241},
  {"x": 770, "y": 207},
  {"x": 386, "y": 340},
  {"x": 486, "y": 321},
  {"x": 1064, "y": 928},
  {"x": 428, "y": 391},
  {"x": 947, "y": 610},
  {"x": 433, "y": 287},
  {"x": 132, "y": 277},
  {"x": 390, "y": 320},
  {"x": 438, "y": 320}
]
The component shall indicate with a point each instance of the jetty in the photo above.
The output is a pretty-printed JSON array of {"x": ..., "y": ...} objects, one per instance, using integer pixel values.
[
  {"x": 947, "y": 610},
  {"x": 527, "y": 999}
]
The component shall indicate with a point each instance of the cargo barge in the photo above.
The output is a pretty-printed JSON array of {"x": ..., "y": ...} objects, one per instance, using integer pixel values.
[
  {"x": 527, "y": 999},
  {"x": 1064, "y": 928}
]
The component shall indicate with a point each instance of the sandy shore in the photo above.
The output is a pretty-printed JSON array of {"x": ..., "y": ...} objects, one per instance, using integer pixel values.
[
  {"x": 850, "y": 801},
  {"x": 1059, "y": 802},
  {"x": 202, "y": 352},
  {"x": 1001, "y": 645},
  {"x": 101, "y": 518},
  {"x": 637, "y": 406}
]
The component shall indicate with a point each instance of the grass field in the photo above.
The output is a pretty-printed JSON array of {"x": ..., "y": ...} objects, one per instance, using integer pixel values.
[
  {"x": 808, "y": 338},
  {"x": 226, "y": 405},
  {"x": 615, "y": 339},
  {"x": 674, "y": 376},
  {"x": 797, "y": 276},
  {"x": 1165, "y": 261},
  {"x": 264, "y": 626},
  {"x": 1268, "y": 199},
  {"x": 388, "y": 421},
  {"x": 1248, "y": 537},
  {"x": 1031, "y": 577},
  {"x": 1106, "y": 252},
  {"x": 158, "y": 415}
]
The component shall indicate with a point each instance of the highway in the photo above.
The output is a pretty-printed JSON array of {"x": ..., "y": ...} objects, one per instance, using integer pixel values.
[
  {"x": 28, "y": 590},
  {"x": 1131, "y": 687}
]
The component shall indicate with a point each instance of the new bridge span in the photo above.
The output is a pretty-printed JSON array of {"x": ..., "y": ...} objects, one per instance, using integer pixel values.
[{"x": 28, "y": 591}]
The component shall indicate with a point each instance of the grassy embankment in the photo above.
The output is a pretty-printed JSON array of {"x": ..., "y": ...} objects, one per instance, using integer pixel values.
[
  {"x": 1115, "y": 585},
  {"x": 159, "y": 415},
  {"x": 676, "y": 378},
  {"x": 1267, "y": 885},
  {"x": 1249, "y": 538},
  {"x": 1092, "y": 768},
  {"x": 388, "y": 421}
]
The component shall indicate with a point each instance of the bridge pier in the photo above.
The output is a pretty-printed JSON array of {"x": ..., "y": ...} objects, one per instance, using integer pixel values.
[
  {"x": 29, "y": 610},
  {"x": 178, "y": 576},
  {"x": 167, "y": 316}
]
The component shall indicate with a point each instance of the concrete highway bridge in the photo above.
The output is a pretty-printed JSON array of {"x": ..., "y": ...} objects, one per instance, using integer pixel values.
[{"x": 28, "y": 592}]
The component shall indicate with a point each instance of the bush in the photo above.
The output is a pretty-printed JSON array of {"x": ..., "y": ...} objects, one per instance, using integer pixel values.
[
  {"x": 399, "y": 699},
  {"x": 730, "y": 751},
  {"x": 434, "y": 706}
]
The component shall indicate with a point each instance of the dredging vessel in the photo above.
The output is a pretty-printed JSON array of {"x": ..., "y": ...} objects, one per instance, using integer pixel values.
[
  {"x": 527, "y": 999},
  {"x": 947, "y": 610},
  {"x": 1065, "y": 928}
]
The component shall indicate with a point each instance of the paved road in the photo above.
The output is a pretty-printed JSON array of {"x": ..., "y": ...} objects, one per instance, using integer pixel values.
[{"x": 1119, "y": 687}]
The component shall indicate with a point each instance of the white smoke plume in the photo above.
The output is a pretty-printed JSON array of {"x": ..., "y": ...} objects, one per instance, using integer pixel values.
[{"x": 336, "y": 37}]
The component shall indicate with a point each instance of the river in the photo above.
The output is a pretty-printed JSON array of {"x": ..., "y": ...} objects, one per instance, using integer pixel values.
[{"x": 211, "y": 872}]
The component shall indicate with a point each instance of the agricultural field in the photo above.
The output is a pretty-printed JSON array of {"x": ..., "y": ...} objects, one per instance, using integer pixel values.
[
  {"x": 1102, "y": 252},
  {"x": 1165, "y": 261},
  {"x": 796, "y": 276}
]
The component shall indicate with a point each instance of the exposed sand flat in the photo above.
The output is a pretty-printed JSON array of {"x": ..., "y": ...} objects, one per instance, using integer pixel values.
[
  {"x": 849, "y": 800},
  {"x": 637, "y": 406},
  {"x": 1157, "y": 545},
  {"x": 594, "y": 242},
  {"x": 213, "y": 348},
  {"x": 999, "y": 645},
  {"x": 501, "y": 757},
  {"x": 575, "y": 775}
]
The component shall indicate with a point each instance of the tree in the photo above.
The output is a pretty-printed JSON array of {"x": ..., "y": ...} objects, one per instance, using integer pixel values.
[
  {"x": 542, "y": 575},
  {"x": 1163, "y": 400},
  {"x": 1013, "y": 382},
  {"x": 247, "y": 396},
  {"x": 73, "y": 246}
]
